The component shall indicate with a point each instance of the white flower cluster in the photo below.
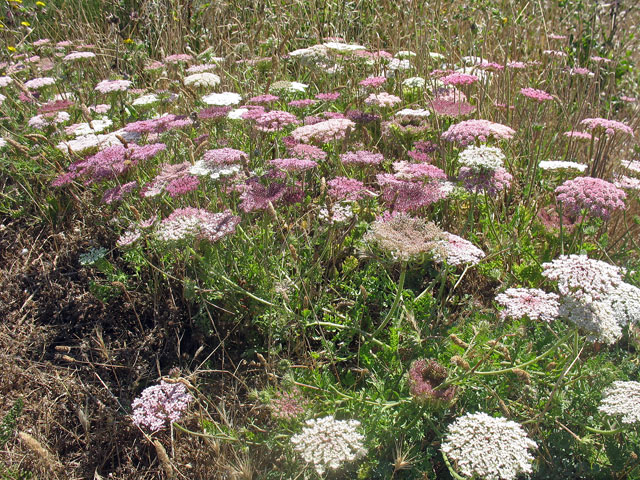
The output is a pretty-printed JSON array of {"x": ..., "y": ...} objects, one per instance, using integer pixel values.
[
  {"x": 594, "y": 296},
  {"x": 204, "y": 79},
  {"x": 414, "y": 82},
  {"x": 207, "y": 169},
  {"x": 482, "y": 157},
  {"x": 530, "y": 302},
  {"x": 148, "y": 99},
  {"x": 329, "y": 443},
  {"x": 340, "y": 213},
  {"x": 623, "y": 399},
  {"x": 561, "y": 165},
  {"x": 489, "y": 448},
  {"x": 458, "y": 251},
  {"x": 413, "y": 113},
  {"x": 222, "y": 99},
  {"x": 96, "y": 126},
  {"x": 343, "y": 47}
]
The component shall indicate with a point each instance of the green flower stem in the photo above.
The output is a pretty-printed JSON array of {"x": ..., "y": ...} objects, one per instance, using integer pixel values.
[
  {"x": 604, "y": 432},
  {"x": 453, "y": 473}
]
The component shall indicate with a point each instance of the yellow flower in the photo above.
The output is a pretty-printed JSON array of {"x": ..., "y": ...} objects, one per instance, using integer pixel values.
[
  {"x": 41, "y": 4},
  {"x": 11, "y": 49},
  {"x": 25, "y": 24},
  {"x": 16, "y": 1},
  {"x": 128, "y": 40}
]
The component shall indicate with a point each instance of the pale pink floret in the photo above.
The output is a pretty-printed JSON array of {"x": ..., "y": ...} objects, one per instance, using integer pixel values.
[
  {"x": 535, "y": 94},
  {"x": 160, "y": 405},
  {"x": 107, "y": 86},
  {"x": 293, "y": 164},
  {"x": 468, "y": 131},
  {"x": 275, "y": 120},
  {"x": 323, "y": 132},
  {"x": 609, "y": 126},
  {"x": 530, "y": 302},
  {"x": 382, "y": 99},
  {"x": 459, "y": 79},
  {"x": 599, "y": 197}
]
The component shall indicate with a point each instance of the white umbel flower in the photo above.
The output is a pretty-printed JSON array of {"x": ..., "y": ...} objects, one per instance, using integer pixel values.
[
  {"x": 489, "y": 448},
  {"x": 562, "y": 165},
  {"x": 204, "y": 79},
  {"x": 622, "y": 399},
  {"x": 482, "y": 157},
  {"x": 222, "y": 99},
  {"x": 327, "y": 443}
]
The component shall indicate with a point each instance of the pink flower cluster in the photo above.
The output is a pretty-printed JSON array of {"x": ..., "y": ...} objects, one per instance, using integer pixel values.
[
  {"x": 343, "y": 188},
  {"x": 411, "y": 171},
  {"x": 304, "y": 103},
  {"x": 484, "y": 180},
  {"x": 458, "y": 251},
  {"x": 160, "y": 405},
  {"x": 224, "y": 156},
  {"x": 609, "y": 126},
  {"x": 293, "y": 164},
  {"x": 178, "y": 57},
  {"x": 599, "y": 197},
  {"x": 257, "y": 196},
  {"x": 323, "y": 132},
  {"x": 198, "y": 223},
  {"x": 382, "y": 100},
  {"x": 451, "y": 108},
  {"x": 309, "y": 152},
  {"x": 328, "y": 97},
  {"x": 275, "y": 120},
  {"x": 287, "y": 405},
  {"x": 40, "y": 82},
  {"x": 361, "y": 157},
  {"x": 174, "y": 179},
  {"x": 159, "y": 125},
  {"x": 468, "y": 131},
  {"x": 404, "y": 196},
  {"x": 116, "y": 194},
  {"x": 373, "y": 82},
  {"x": 535, "y": 94},
  {"x": 578, "y": 135},
  {"x": 107, "y": 86},
  {"x": 459, "y": 79},
  {"x": 424, "y": 377},
  {"x": 530, "y": 302},
  {"x": 268, "y": 98}
]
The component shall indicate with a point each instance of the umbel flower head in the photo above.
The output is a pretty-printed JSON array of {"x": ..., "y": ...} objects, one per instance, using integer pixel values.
[
  {"x": 622, "y": 399},
  {"x": 598, "y": 197},
  {"x": 327, "y": 443},
  {"x": 160, "y": 405},
  {"x": 488, "y": 448},
  {"x": 424, "y": 377}
]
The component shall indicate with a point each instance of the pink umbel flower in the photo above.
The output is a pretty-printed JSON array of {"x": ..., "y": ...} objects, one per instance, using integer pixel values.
[
  {"x": 424, "y": 377},
  {"x": 257, "y": 196},
  {"x": 343, "y": 188},
  {"x": 599, "y": 197},
  {"x": 160, "y": 405},
  {"x": 108, "y": 86},
  {"x": 469, "y": 131},
  {"x": 411, "y": 171},
  {"x": 373, "y": 82},
  {"x": 171, "y": 179},
  {"x": 323, "y": 132},
  {"x": 304, "y": 103},
  {"x": 225, "y": 156},
  {"x": 451, "y": 108},
  {"x": 516, "y": 65},
  {"x": 78, "y": 56},
  {"x": 178, "y": 58},
  {"x": 328, "y": 97},
  {"x": 485, "y": 181},
  {"x": 578, "y": 135},
  {"x": 459, "y": 79},
  {"x": 308, "y": 152},
  {"x": 287, "y": 405},
  {"x": 159, "y": 125},
  {"x": 404, "y": 196},
  {"x": 382, "y": 100},
  {"x": 361, "y": 157},
  {"x": 275, "y": 120},
  {"x": 528, "y": 302},
  {"x": 610, "y": 127},
  {"x": 535, "y": 94},
  {"x": 293, "y": 164},
  {"x": 458, "y": 251},
  {"x": 268, "y": 98},
  {"x": 184, "y": 223},
  {"x": 40, "y": 82},
  {"x": 214, "y": 113},
  {"x": 583, "y": 72}
]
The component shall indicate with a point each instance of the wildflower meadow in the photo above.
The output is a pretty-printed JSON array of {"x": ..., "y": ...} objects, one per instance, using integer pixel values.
[{"x": 319, "y": 240}]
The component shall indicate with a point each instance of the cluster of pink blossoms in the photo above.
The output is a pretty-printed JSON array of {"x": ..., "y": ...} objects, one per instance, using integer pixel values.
[
  {"x": 108, "y": 86},
  {"x": 293, "y": 164},
  {"x": 424, "y": 377},
  {"x": 373, "y": 82},
  {"x": 174, "y": 179},
  {"x": 323, "y": 132},
  {"x": 361, "y": 157},
  {"x": 189, "y": 222},
  {"x": 160, "y": 405},
  {"x": 404, "y": 196},
  {"x": 275, "y": 120},
  {"x": 535, "y": 94},
  {"x": 609, "y": 126},
  {"x": 530, "y": 302},
  {"x": 485, "y": 181},
  {"x": 224, "y": 156},
  {"x": 469, "y": 131},
  {"x": 459, "y": 79},
  {"x": 343, "y": 188},
  {"x": 599, "y": 197},
  {"x": 382, "y": 100}
]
